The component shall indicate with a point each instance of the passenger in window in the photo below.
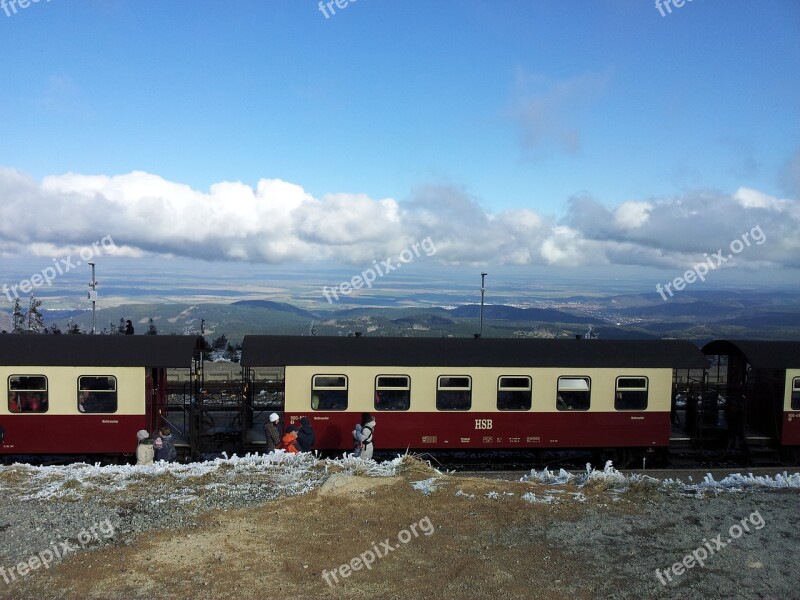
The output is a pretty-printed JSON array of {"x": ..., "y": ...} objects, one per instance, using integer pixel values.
[
  {"x": 271, "y": 430},
  {"x": 144, "y": 448},
  {"x": 560, "y": 404},
  {"x": 365, "y": 435},
  {"x": 35, "y": 402},
  {"x": 305, "y": 435},
  {"x": 165, "y": 450},
  {"x": 13, "y": 402},
  {"x": 84, "y": 401}
]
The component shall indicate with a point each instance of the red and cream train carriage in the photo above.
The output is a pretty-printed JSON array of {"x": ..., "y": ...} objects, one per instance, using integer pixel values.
[
  {"x": 84, "y": 394},
  {"x": 485, "y": 393}
]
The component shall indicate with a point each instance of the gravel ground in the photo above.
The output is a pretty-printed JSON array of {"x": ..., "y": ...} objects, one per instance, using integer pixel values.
[
  {"x": 625, "y": 551},
  {"x": 552, "y": 536}
]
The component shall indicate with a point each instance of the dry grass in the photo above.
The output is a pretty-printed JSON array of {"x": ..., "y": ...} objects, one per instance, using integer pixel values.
[{"x": 482, "y": 541}]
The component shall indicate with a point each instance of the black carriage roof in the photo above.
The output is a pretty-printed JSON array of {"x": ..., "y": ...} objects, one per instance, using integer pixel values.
[
  {"x": 760, "y": 354},
  {"x": 265, "y": 350},
  {"x": 97, "y": 350}
]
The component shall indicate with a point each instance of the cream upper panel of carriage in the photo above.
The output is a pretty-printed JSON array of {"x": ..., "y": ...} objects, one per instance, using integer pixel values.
[
  {"x": 791, "y": 399},
  {"x": 477, "y": 389},
  {"x": 73, "y": 390}
]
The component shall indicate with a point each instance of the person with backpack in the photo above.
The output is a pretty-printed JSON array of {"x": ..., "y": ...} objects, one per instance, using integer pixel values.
[
  {"x": 363, "y": 435},
  {"x": 165, "y": 450}
]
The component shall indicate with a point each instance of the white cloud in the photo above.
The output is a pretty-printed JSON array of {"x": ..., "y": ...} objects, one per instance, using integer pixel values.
[
  {"x": 278, "y": 222},
  {"x": 632, "y": 215}
]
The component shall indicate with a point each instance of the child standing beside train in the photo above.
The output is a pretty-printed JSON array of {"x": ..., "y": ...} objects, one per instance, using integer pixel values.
[{"x": 144, "y": 448}]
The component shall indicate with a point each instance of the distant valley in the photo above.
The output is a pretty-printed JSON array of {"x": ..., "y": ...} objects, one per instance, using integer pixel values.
[{"x": 694, "y": 315}]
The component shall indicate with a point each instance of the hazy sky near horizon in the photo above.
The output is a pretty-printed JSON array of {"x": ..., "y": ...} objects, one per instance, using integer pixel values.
[{"x": 563, "y": 134}]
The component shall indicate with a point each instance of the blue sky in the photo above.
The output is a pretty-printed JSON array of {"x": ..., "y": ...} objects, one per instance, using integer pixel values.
[{"x": 456, "y": 120}]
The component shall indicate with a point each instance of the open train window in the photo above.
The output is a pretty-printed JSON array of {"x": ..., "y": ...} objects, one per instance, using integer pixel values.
[
  {"x": 27, "y": 394},
  {"x": 574, "y": 393},
  {"x": 392, "y": 392},
  {"x": 329, "y": 392},
  {"x": 453, "y": 393},
  {"x": 514, "y": 393},
  {"x": 796, "y": 393},
  {"x": 631, "y": 393},
  {"x": 97, "y": 394}
]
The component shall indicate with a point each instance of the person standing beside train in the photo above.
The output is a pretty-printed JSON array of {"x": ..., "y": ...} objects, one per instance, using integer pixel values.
[
  {"x": 166, "y": 449},
  {"x": 365, "y": 435},
  {"x": 144, "y": 449},
  {"x": 289, "y": 441},
  {"x": 306, "y": 438},
  {"x": 273, "y": 435}
]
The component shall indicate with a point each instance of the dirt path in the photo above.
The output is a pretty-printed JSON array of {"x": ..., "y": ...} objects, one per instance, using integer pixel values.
[{"x": 468, "y": 538}]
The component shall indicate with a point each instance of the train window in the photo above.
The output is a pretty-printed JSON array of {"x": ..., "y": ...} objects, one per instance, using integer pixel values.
[
  {"x": 574, "y": 393},
  {"x": 392, "y": 392},
  {"x": 796, "y": 393},
  {"x": 453, "y": 393},
  {"x": 631, "y": 393},
  {"x": 329, "y": 392},
  {"x": 97, "y": 394},
  {"x": 27, "y": 394},
  {"x": 514, "y": 393}
]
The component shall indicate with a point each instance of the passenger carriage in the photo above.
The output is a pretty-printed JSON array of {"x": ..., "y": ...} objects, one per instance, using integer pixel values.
[
  {"x": 484, "y": 393},
  {"x": 85, "y": 394}
]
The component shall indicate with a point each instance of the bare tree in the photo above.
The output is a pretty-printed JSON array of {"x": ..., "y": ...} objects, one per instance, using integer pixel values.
[
  {"x": 35, "y": 319},
  {"x": 18, "y": 318}
]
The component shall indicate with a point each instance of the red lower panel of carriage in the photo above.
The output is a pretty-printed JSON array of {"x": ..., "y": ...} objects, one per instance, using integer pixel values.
[
  {"x": 453, "y": 430},
  {"x": 790, "y": 436},
  {"x": 70, "y": 434}
]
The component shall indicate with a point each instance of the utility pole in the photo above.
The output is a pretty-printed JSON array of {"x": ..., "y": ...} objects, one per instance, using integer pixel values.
[
  {"x": 483, "y": 289},
  {"x": 93, "y": 297}
]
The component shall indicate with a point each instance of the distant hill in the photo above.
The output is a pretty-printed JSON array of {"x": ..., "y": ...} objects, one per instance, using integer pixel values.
[
  {"x": 276, "y": 306},
  {"x": 735, "y": 314},
  {"x": 522, "y": 315}
]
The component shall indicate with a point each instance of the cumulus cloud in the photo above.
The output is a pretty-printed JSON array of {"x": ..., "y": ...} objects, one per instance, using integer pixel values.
[{"x": 278, "y": 222}]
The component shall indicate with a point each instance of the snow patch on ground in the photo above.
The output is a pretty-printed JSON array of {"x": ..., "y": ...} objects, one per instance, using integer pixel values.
[
  {"x": 612, "y": 479},
  {"x": 286, "y": 474},
  {"x": 279, "y": 474}
]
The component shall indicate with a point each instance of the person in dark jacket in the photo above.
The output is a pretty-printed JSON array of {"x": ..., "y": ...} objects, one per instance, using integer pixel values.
[
  {"x": 305, "y": 435},
  {"x": 273, "y": 435},
  {"x": 166, "y": 450},
  {"x": 128, "y": 327}
]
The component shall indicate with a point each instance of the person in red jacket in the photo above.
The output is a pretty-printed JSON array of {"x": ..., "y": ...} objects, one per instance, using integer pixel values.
[{"x": 289, "y": 441}]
